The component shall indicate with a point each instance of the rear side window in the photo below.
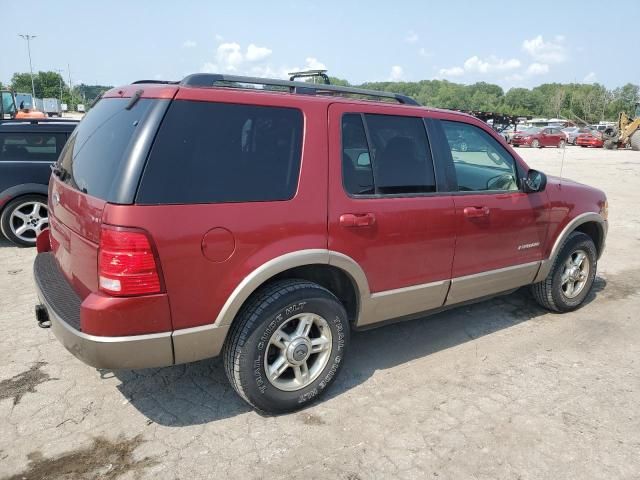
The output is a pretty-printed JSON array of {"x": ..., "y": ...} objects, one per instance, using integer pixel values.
[
  {"x": 217, "y": 152},
  {"x": 393, "y": 157},
  {"x": 25, "y": 147},
  {"x": 96, "y": 148}
]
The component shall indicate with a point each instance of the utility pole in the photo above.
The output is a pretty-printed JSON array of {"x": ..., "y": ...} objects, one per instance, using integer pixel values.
[
  {"x": 28, "y": 38},
  {"x": 70, "y": 87},
  {"x": 59, "y": 70}
]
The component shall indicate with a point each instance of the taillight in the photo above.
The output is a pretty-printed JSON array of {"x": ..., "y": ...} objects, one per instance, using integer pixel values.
[{"x": 126, "y": 263}]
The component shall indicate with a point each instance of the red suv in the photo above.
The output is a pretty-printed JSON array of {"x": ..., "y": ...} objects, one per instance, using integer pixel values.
[
  {"x": 540, "y": 137},
  {"x": 194, "y": 219}
]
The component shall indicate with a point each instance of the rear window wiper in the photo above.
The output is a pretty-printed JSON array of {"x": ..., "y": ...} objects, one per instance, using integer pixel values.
[{"x": 134, "y": 99}]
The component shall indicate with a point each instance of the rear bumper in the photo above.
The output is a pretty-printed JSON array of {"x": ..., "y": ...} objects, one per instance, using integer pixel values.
[{"x": 122, "y": 352}]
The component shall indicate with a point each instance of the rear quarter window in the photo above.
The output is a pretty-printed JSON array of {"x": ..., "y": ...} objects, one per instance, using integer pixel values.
[{"x": 208, "y": 152}]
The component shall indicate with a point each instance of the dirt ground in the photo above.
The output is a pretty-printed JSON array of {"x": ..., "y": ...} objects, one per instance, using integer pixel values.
[{"x": 500, "y": 389}]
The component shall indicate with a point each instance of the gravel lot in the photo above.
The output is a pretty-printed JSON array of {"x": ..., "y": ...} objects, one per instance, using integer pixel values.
[{"x": 501, "y": 389}]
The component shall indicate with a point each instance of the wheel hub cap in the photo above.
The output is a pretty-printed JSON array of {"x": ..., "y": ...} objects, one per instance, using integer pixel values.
[{"x": 298, "y": 351}]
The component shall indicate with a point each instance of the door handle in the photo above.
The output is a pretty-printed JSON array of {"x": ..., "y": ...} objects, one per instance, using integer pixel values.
[
  {"x": 476, "y": 212},
  {"x": 357, "y": 219}
]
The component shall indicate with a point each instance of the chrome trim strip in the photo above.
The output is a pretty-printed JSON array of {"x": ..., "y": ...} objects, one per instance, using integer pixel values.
[
  {"x": 487, "y": 283},
  {"x": 198, "y": 343},
  {"x": 547, "y": 264}
]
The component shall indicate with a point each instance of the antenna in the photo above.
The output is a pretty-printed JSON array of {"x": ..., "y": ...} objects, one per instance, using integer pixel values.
[{"x": 564, "y": 151}]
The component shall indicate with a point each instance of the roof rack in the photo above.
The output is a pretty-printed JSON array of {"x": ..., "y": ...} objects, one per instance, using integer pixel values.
[
  {"x": 161, "y": 82},
  {"x": 310, "y": 74},
  {"x": 211, "y": 79}
]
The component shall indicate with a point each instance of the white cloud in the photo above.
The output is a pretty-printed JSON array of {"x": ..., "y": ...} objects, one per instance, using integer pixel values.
[
  {"x": 538, "y": 69},
  {"x": 423, "y": 52},
  {"x": 411, "y": 37},
  {"x": 229, "y": 56},
  {"x": 314, "y": 64},
  {"x": 553, "y": 51},
  {"x": 451, "y": 72},
  {"x": 255, "y": 53},
  {"x": 590, "y": 77},
  {"x": 189, "y": 44},
  {"x": 219, "y": 38},
  {"x": 397, "y": 73},
  {"x": 476, "y": 64}
]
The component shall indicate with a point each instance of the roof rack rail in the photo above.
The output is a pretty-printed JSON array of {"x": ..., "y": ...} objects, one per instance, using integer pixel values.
[
  {"x": 310, "y": 74},
  {"x": 211, "y": 79},
  {"x": 160, "y": 82}
]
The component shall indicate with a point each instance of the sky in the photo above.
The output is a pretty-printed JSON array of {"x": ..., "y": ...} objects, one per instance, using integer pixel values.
[{"x": 512, "y": 43}]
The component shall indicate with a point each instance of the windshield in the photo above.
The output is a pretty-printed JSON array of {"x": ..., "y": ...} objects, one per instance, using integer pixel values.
[{"x": 532, "y": 131}]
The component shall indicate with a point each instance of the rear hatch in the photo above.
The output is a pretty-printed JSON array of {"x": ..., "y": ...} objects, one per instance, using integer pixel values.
[{"x": 101, "y": 163}]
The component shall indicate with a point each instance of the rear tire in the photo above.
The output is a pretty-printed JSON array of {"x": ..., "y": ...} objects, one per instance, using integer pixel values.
[
  {"x": 570, "y": 280},
  {"x": 635, "y": 140},
  {"x": 562, "y": 144},
  {"x": 269, "y": 359}
]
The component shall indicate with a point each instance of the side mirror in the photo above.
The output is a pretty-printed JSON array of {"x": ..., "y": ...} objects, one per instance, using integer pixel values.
[{"x": 535, "y": 181}]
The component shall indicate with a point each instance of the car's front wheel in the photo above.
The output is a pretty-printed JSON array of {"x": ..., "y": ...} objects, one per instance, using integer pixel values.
[
  {"x": 24, "y": 218},
  {"x": 535, "y": 143},
  {"x": 571, "y": 277},
  {"x": 286, "y": 345}
]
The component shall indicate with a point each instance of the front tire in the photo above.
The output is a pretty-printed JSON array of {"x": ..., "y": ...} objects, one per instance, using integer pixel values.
[
  {"x": 535, "y": 144},
  {"x": 286, "y": 346},
  {"x": 571, "y": 277},
  {"x": 24, "y": 218}
]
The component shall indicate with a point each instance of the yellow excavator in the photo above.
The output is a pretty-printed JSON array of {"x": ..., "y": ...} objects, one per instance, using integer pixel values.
[{"x": 625, "y": 133}]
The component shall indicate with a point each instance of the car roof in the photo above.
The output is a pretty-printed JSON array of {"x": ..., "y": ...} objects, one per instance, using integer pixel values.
[{"x": 38, "y": 125}]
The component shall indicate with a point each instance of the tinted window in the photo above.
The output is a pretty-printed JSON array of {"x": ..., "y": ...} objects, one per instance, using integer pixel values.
[
  {"x": 216, "y": 152},
  {"x": 96, "y": 148},
  {"x": 480, "y": 162},
  {"x": 356, "y": 161},
  {"x": 31, "y": 146},
  {"x": 394, "y": 159}
]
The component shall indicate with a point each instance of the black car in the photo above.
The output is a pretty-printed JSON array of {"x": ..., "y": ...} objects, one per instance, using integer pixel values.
[{"x": 28, "y": 148}]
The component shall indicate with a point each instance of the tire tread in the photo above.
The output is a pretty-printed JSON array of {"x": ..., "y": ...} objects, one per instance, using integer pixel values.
[{"x": 245, "y": 322}]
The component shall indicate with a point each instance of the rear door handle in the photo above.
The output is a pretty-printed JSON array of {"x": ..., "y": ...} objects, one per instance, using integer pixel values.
[
  {"x": 357, "y": 219},
  {"x": 476, "y": 212}
]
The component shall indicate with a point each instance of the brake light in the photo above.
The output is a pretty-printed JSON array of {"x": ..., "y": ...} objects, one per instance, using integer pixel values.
[{"x": 126, "y": 263}]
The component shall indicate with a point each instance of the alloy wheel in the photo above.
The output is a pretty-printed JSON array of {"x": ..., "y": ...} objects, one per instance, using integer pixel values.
[
  {"x": 298, "y": 351},
  {"x": 28, "y": 219},
  {"x": 575, "y": 274}
]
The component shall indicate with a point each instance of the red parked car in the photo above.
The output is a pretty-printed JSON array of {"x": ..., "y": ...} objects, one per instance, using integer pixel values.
[
  {"x": 191, "y": 219},
  {"x": 592, "y": 138},
  {"x": 540, "y": 137}
]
